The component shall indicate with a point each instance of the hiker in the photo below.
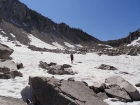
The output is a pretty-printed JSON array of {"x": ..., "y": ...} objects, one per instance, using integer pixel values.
[{"x": 71, "y": 57}]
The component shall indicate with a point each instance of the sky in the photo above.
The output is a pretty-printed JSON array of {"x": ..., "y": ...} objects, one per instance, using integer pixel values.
[{"x": 103, "y": 19}]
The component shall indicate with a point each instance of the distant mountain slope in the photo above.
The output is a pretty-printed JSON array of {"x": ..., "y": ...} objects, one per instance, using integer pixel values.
[
  {"x": 17, "y": 18},
  {"x": 125, "y": 41},
  {"x": 135, "y": 43}
]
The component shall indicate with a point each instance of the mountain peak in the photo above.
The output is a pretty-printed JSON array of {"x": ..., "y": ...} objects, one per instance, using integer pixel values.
[{"x": 21, "y": 16}]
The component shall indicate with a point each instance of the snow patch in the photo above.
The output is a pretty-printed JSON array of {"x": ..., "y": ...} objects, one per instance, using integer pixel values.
[
  {"x": 12, "y": 35},
  {"x": 3, "y": 32},
  {"x": 135, "y": 42},
  {"x": 78, "y": 45},
  {"x": 104, "y": 45},
  {"x": 38, "y": 43},
  {"x": 67, "y": 44},
  {"x": 15, "y": 23},
  {"x": 58, "y": 45}
]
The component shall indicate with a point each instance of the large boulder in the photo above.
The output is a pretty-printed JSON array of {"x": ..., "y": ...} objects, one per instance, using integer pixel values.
[
  {"x": 129, "y": 88},
  {"x": 59, "y": 70},
  {"x": 8, "y": 69},
  {"x": 106, "y": 67},
  {"x": 8, "y": 64},
  {"x": 43, "y": 65},
  {"x": 51, "y": 91},
  {"x": 117, "y": 92},
  {"x": 5, "y": 51},
  {"x": 19, "y": 65},
  {"x": 137, "y": 85}
]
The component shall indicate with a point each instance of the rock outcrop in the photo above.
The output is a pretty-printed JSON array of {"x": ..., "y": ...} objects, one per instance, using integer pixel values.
[
  {"x": 138, "y": 84},
  {"x": 125, "y": 85},
  {"x": 8, "y": 69},
  {"x": 56, "y": 69},
  {"x": 123, "y": 41},
  {"x": 19, "y": 66},
  {"x": 5, "y": 51},
  {"x": 117, "y": 87},
  {"x": 106, "y": 67},
  {"x": 117, "y": 92},
  {"x": 17, "y": 13},
  {"x": 51, "y": 91}
]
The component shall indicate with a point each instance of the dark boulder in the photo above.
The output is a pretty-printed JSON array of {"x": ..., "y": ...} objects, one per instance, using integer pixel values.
[
  {"x": 95, "y": 89},
  {"x": 4, "y": 70},
  {"x": 51, "y": 91},
  {"x": 52, "y": 64},
  {"x": 19, "y": 66},
  {"x": 5, "y": 51},
  {"x": 138, "y": 84},
  {"x": 8, "y": 69},
  {"x": 66, "y": 66},
  {"x": 59, "y": 70},
  {"x": 106, "y": 67},
  {"x": 43, "y": 65},
  {"x": 55, "y": 69}
]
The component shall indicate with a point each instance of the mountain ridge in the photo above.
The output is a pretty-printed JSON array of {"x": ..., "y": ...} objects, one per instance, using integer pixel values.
[
  {"x": 126, "y": 40},
  {"x": 42, "y": 27},
  {"x": 18, "y": 19}
]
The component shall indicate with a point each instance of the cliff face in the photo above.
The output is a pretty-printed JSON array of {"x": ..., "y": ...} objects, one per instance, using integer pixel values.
[
  {"x": 124, "y": 41},
  {"x": 16, "y": 13}
]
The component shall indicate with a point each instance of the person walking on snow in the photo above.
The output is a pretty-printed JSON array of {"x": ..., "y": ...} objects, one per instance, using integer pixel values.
[{"x": 71, "y": 57}]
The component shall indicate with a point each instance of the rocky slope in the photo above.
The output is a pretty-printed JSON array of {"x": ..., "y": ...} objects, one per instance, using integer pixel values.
[
  {"x": 18, "y": 19},
  {"x": 124, "y": 41}
]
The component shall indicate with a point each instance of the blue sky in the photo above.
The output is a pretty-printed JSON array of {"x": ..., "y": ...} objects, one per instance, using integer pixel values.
[{"x": 103, "y": 19}]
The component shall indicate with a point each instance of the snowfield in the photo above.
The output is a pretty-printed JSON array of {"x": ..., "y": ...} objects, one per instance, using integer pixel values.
[{"x": 84, "y": 65}]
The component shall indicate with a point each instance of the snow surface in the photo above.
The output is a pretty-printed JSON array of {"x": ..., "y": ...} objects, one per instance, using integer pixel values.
[{"x": 86, "y": 70}]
